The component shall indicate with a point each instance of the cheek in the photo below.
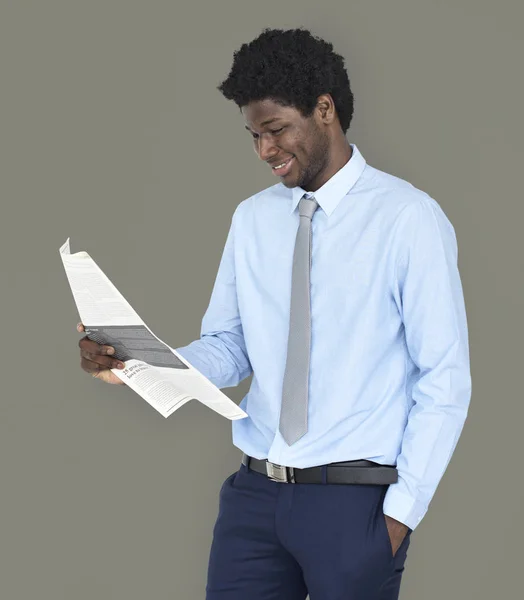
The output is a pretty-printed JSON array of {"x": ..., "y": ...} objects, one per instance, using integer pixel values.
[{"x": 299, "y": 151}]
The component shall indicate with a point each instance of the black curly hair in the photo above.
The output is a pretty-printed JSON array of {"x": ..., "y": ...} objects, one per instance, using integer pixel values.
[{"x": 292, "y": 67}]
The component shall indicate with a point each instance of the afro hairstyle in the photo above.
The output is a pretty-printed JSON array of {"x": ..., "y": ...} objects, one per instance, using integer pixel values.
[{"x": 293, "y": 68}]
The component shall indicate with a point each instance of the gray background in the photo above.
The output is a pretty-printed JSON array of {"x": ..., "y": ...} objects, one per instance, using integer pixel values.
[{"x": 112, "y": 132}]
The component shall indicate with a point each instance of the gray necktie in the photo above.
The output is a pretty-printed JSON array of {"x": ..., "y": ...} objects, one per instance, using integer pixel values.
[{"x": 293, "y": 414}]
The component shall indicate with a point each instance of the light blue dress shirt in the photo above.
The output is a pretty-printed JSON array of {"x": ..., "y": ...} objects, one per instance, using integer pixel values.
[{"x": 389, "y": 374}]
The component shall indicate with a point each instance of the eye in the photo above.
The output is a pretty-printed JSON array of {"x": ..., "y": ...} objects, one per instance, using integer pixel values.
[{"x": 271, "y": 131}]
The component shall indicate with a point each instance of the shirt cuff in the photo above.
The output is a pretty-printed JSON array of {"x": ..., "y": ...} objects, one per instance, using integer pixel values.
[{"x": 403, "y": 508}]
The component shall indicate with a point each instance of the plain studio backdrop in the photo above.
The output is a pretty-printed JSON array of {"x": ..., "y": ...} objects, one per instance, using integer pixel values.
[{"x": 112, "y": 132}]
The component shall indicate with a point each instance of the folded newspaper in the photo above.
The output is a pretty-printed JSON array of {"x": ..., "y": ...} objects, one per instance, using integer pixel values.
[{"x": 152, "y": 368}]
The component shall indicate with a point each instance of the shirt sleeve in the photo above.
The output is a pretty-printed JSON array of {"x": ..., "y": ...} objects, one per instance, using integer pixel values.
[
  {"x": 431, "y": 304},
  {"x": 220, "y": 354}
]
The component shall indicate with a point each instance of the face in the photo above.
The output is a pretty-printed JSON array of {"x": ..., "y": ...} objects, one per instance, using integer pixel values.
[{"x": 282, "y": 136}]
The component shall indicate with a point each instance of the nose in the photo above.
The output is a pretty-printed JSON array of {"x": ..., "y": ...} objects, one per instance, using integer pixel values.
[{"x": 266, "y": 149}]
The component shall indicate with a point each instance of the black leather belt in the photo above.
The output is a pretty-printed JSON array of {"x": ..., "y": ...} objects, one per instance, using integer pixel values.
[{"x": 363, "y": 472}]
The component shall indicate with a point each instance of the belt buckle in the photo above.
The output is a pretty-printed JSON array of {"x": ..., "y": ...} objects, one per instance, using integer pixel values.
[{"x": 280, "y": 473}]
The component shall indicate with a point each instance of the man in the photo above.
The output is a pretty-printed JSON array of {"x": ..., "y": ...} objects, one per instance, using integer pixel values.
[{"x": 338, "y": 289}]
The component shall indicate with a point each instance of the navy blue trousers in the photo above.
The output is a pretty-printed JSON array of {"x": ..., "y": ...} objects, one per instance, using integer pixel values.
[{"x": 283, "y": 541}]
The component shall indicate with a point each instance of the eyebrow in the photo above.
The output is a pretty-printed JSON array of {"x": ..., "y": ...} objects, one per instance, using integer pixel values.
[{"x": 264, "y": 122}]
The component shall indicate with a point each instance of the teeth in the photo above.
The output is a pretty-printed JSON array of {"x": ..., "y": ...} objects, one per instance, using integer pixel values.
[{"x": 280, "y": 166}]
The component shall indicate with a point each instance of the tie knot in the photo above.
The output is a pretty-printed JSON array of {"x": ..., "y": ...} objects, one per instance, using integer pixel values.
[{"x": 307, "y": 207}]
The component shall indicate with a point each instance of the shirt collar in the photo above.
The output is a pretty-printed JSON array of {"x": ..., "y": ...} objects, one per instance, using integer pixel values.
[{"x": 331, "y": 193}]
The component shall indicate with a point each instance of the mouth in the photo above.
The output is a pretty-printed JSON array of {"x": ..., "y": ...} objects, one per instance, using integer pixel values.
[{"x": 283, "y": 169}]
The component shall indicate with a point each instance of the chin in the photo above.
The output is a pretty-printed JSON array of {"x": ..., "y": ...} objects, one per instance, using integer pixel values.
[{"x": 290, "y": 182}]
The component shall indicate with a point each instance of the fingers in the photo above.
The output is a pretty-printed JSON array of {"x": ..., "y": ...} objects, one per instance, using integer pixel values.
[
  {"x": 92, "y": 347},
  {"x": 92, "y": 363},
  {"x": 90, "y": 366},
  {"x": 96, "y": 357},
  {"x": 87, "y": 345}
]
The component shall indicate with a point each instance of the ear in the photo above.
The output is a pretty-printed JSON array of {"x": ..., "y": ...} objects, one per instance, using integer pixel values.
[{"x": 326, "y": 109}]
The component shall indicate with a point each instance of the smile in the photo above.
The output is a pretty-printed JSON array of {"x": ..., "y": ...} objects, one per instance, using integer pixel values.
[{"x": 284, "y": 168}]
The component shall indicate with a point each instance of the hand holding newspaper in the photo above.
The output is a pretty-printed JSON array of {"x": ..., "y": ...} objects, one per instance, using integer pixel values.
[{"x": 152, "y": 368}]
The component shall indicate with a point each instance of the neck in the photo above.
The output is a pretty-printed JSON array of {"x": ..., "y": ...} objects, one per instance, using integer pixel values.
[{"x": 340, "y": 154}]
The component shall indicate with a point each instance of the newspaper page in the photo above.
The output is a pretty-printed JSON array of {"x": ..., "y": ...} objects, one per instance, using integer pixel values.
[{"x": 153, "y": 369}]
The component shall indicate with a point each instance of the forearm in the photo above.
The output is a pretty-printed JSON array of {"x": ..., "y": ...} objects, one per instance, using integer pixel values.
[
  {"x": 221, "y": 357},
  {"x": 431, "y": 435}
]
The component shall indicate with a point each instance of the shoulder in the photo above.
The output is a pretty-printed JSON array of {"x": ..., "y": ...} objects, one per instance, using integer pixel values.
[
  {"x": 265, "y": 199},
  {"x": 390, "y": 190},
  {"x": 407, "y": 203}
]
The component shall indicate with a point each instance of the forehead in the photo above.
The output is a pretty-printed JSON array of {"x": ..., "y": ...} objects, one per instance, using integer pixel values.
[{"x": 260, "y": 113}]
